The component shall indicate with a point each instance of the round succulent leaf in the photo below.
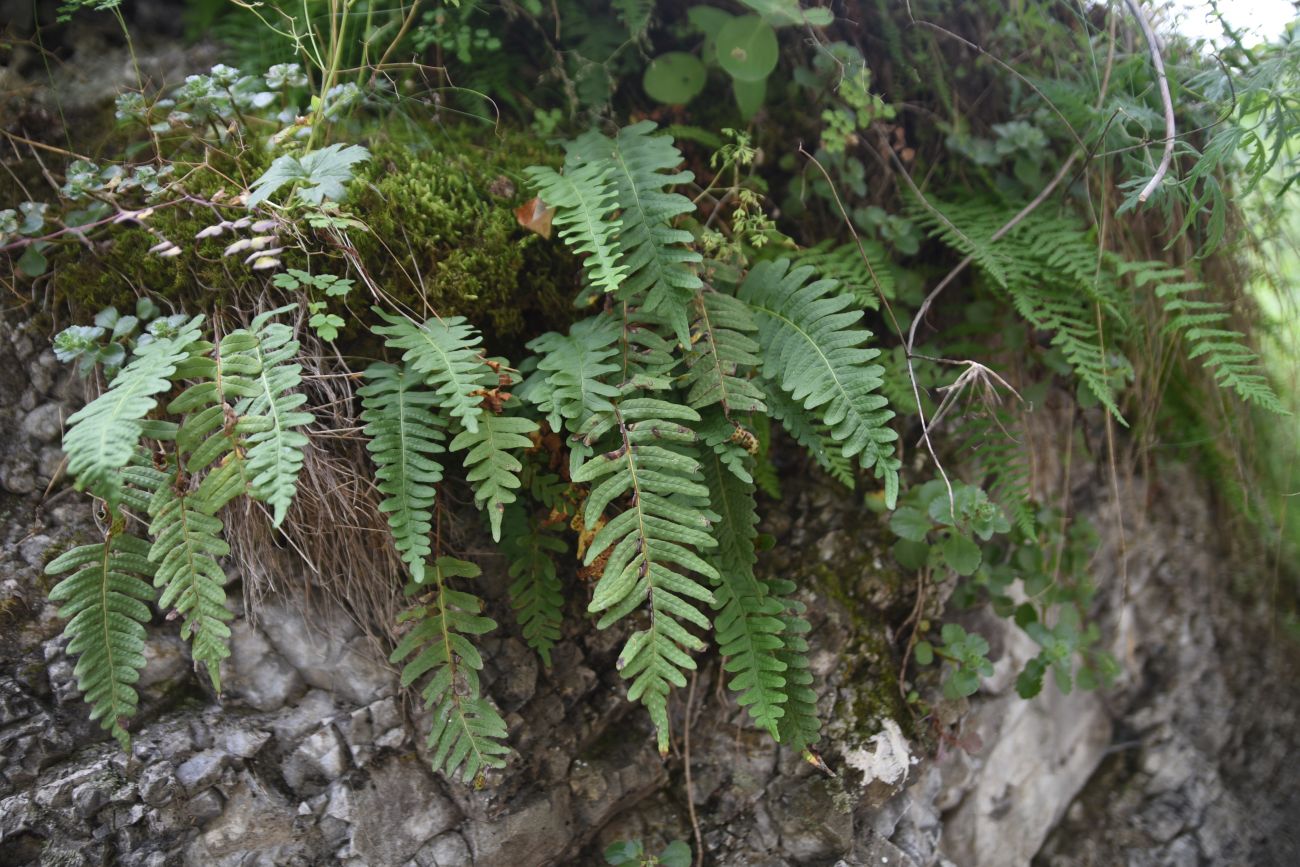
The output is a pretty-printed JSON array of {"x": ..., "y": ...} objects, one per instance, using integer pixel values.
[
  {"x": 747, "y": 48},
  {"x": 674, "y": 78}
]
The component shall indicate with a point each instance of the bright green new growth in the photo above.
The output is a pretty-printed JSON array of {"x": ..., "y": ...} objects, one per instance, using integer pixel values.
[
  {"x": 105, "y": 598},
  {"x": 405, "y": 436},
  {"x": 276, "y": 453},
  {"x": 585, "y": 200},
  {"x": 466, "y": 730},
  {"x": 447, "y": 354}
]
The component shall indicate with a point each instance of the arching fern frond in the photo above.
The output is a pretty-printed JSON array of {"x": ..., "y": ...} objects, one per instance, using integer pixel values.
[
  {"x": 447, "y": 354},
  {"x": 491, "y": 462},
  {"x": 748, "y": 623},
  {"x": 577, "y": 368},
  {"x": 405, "y": 435},
  {"x": 844, "y": 265},
  {"x": 813, "y": 349},
  {"x": 466, "y": 732},
  {"x": 536, "y": 593},
  {"x": 186, "y": 544},
  {"x": 651, "y": 544},
  {"x": 811, "y": 434},
  {"x": 105, "y": 597},
  {"x": 585, "y": 199},
  {"x": 799, "y": 727},
  {"x": 1200, "y": 322},
  {"x": 276, "y": 453},
  {"x": 102, "y": 435},
  {"x": 658, "y": 260}
]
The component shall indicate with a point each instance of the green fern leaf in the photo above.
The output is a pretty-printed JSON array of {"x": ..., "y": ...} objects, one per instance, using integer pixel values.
[
  {"x": 186, "y": 544},
  {"x": 657, "y": 257},
  {"x": 102, "y": 435},
  {"x": 844, "y": 265},
  {"x": 492, "y": 467},
  {"x": 105, "y": 599},
  {"x": 585, "y": 199},
  {"x": 799, "y": 727},
  {"x": 536, "y": 593},
  {"x": 275, "y": 455},
  {"x": 576, "y": 368},
  {"x": 466, "y": 733},
  {"x": 748, "y": 623},
  {"x": 446, "y": 353},
  {"x": 811, "y": 434},
  {"x": 812, "y": 348},
  {"x": 405, "y": 436},
  {"x": 651, "y": 544},
  {"x": 722, "y": 357}
]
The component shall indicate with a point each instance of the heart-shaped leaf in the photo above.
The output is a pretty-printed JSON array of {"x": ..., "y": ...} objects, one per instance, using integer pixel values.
[
  {"x": 747, "y": 48},
  {"x": 674, "y": 78}
]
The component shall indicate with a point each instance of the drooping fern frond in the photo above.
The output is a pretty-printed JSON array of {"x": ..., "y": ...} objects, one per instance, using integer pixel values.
[
  {"x": 585, "y": 199},
  {"x": 405, "y": 435},
  {"x": 658, "y": 260},
  {"x": 809, "y": 433},
  {"x": 728, "y": 441},
  {"x": 536, "y": 593},
  {"x": 722, "y": 357},
  {"x": 491, "y": 461},
  {"x": 186, "y": 544},
  {"x": 799, "y": 727},
  {"x": 813, "y": 349},
  {"x": 275, "y": 455},
  {"x": 748, "y": 623},
  {"x": 102, "y": 435},
  {"x": 466, "y": 731},
  {"x": 105, "y": 597},
  {"x": 1200, "y": 323},
  {"x": 651, "y": 544},
  {"x": 447, "y": 354}
]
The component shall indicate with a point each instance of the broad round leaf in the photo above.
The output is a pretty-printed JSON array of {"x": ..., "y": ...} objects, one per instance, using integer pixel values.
[
  {"x": 747, "y": 48},
  {"x": 674, "y": 78},
  {"x": 961, "y": 553}
]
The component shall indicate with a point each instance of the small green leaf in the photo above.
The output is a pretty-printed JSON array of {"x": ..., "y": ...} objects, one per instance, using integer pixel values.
[
  {"x": 674, "y": 78},
  {"x": 908, "y": 523},
  {"x": 962, "y": 684},
  {"x": 624, "y": 852},
  {"x": 911, "y": 555},
  {"x": 923, "y": 653},
  {"x": 747, "y": 48},
  {"x": 676, "y": 854},
  {"x": 33, "y": 262},
  {"x": 961, "y": 554}
]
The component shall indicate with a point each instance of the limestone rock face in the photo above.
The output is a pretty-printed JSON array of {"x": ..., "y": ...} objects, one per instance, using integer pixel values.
[{"x": 312, "y": 755}]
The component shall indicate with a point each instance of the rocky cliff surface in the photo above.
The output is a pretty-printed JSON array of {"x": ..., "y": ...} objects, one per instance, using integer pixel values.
[{"x": 312, "y": 755}]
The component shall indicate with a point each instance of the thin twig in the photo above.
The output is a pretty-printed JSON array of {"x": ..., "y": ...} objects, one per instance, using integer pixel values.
[
  {"x": 690, "y": 787},
  {"x": 1158, "y": 62}
]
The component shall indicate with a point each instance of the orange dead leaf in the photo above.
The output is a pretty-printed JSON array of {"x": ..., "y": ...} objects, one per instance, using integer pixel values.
[{"x": 535, "y": 216}]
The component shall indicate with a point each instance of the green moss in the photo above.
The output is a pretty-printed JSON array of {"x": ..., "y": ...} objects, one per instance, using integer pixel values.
[{"x": 444, "y": 234}]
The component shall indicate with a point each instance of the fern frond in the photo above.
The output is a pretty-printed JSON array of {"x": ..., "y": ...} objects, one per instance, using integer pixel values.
[
  {"x": 536, "y": 593},
  {"x": 809, "y": 433},
  {"x": 844, "y": 265},
  {"x": 748, "y": 624},
  {"x": 799, "y": 727},
  {"x": 1222, "y": 351},
  {"x": 186, "y": 544},
  {"x": 577, "y": 368},
  {"x": 492, "y": 467},
  {"x": 651, "y": 543},
  {"x": 275, "y": 455},
  {"x": 813, "y": 349},
  {"x": 722, "y": 357},
  {"x": 657, "y": 257},
  {"x": 466, "y": 732},
  {"x": 585, "y": 199},
  {"x": 105, "y": 598},
  {"x": 446, "y": 353},
  {"x": 405, "y": 435},
  {"x": 102, "y": 435},
  {"x": 722, "y": 437}
]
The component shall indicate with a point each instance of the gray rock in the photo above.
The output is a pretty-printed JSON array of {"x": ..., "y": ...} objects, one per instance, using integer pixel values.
[
  {"x": 45, "y": 423},
  {"x": 328, "y": 652},
  {"x": 244, "y": 743},
  {"x": 255, "y": 673},
  {"x": 321, "y": 758},
  {"x": 445, "y": 850},
  {"x": 815, "y": 819},
  {"x": 399, "y": 809},
  {"x": 157, "y": 784},
  {"x": 201, "y": 771},
  {"x": 534, "y": 831}
]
